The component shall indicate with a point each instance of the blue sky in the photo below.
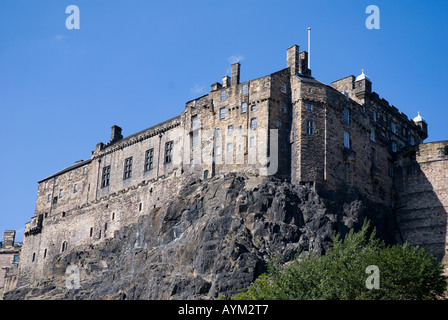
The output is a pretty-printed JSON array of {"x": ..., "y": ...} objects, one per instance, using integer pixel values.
[{"x": 135, "y": 63}]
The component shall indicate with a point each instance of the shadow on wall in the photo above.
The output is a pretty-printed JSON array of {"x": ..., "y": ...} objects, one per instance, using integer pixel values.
[{"x": 422, "y": 196}]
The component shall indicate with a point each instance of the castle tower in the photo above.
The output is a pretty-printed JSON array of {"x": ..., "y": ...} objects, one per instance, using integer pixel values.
[
  {"x": 422, "y": 124},
  {"x": 363, "y": 86}
]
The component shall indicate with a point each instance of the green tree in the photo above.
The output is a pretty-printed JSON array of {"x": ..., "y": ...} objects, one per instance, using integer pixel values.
[{"x": 405, "y": 273}]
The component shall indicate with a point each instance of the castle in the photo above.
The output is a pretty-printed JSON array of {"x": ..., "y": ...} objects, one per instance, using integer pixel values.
[{"x": 286, "y": 124}]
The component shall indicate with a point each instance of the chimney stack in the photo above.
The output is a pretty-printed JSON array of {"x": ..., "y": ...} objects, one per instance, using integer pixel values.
[
  {"x": 226, "y": 81},
  {"x": 8, "y": 238},
  {"x": 115, "y": 134},
  {"x": 235, "y": 76}
]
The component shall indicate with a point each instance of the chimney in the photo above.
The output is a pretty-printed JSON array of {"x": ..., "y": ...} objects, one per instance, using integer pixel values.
[
  {"x": 8, "y": 238},
  {"x": 115, "y": 134},
  {"x": 226, "y": 81},
  {"x": 292, "y": 59},
  {"x": 235, "y": 76},
  {"x": 303, "y": 63}
]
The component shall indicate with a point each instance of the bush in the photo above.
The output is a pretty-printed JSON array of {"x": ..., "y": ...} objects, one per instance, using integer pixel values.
[{"x": 405, "y": 273}]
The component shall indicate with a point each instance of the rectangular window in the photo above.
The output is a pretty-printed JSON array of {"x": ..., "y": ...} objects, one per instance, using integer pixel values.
[
  {"x": 393, "y": 126},
  {"x": 394, "y": 147},
  {"x": 169, "y": 152},
  {"x": 283, "y": 106},
  {"x": 60, "y": 193},
  {"x": 253, "y": 123},
  {"x": 127, "y": 168},
  {"x": 49, "y": 197},
  {"x": 218, "y": 150},
  {"x": 309, "y": 106},
  {"x": 412, "y": 140},
  {"x": 374, "y": 116},
  {"x": 230, "y": 130},
  {"x": 372, "y": 135},
  {"x": 252, "y": 142},
  {"x": 222, "y": 113},
  {"x": 194, "y": 121},
  {"x": 70, "y": 176},
  {"x": 284, "y": 87},
  {"x": 75, "y": 188},
  {"x": 347, "y": 140},
  {"x": 195, "y": 138},
  {"x": 84, "y": 171},
  {"x": 46, "y": 185},
  {"x": 277, "y": 123},
  {"x": 310, "y": 127},
  {"x": 56, "y": 181},
  {"x": 105, "y": 178},
  {"x": 244, "y": 89},
  {"x": 229, "y": 147},
  {"x": 218, "y": 132},
  {"x": 149, "y": 160},
  {"x": 346, "y": 115},
  {"x": 223, "y": 95},
  {"x": 243, "y": 107},
  {"x": 253, "y": 108}
]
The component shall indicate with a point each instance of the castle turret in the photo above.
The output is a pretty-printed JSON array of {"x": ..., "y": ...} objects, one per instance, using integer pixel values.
[
  {"x": 419, "y": 121},
  {"x": 363, "y": 86}
]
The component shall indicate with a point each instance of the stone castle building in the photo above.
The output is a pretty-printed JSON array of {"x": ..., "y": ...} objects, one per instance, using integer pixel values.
[
  {"x": 286, "y": 124},
  {"x": 9, "y": 259}
]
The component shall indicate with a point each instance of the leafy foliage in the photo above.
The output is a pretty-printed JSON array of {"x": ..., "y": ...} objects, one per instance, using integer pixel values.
[{"x": 405, "y": 272}]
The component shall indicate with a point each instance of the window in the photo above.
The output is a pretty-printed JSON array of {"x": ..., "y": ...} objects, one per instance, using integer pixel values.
[
  {"x": 70, "y": 176},
  {"x": 218, "y": 151},
  {"x": 222, "y": 113},
  {"x": 372, "y": 135},
  {"x": 127, "y": 168},
  {"x": 223, "y": 95},
  {"x": 283, "y": 107},
  {"x": 194, "y": 121},
  {"x": 244, "y": 91},
  {"x": 75, "y": 188},
  {"x": 55, "y": 200},
  {"x": 393, "y": 126},
  {"x": 243, "y": 107},
  {"x": 230, "y": 130},
  {"x": 346, "y": 116},
  {"x": 60, "y": 193},
  {"x": 15, "y": 259},
  {"x": 412, "y": 140},
  {"x": 229, "y": 147},
  {"x": 309, "y": 106},
  {"x": 56, "y": 181},
  {"x": 205, "y": 174},
  {"x": 394, "y": 147},
  {"x": 63, "y": 214},
  {"x": 218, "y": 132},
  {"x": 34, "y": 257},
  {"x": 49, "y": 197},
  {"x": 310, "y": 127},
  {"x": 169, "y": 152},
  {"x": 105, "y": 178},
  {"x": 84, "y": 171},
  {"x": 253, "y": 123},
  {"x": 195, "y": 139},
  {"x": 284, "y": 87},
  {"x": 253, "y": 108},
  {"x": 46, "y": 185},
  {"x": 347, "y": 140},
  {"x": 252, "y": 142},
  {"x": 149, "y": 159},
  {"x": 91, "y": 232},
  {"x": 277, "y": 123},
  {"x": 374, "y": 116}
]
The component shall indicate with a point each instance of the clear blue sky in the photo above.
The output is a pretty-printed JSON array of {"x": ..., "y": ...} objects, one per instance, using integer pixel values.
[{"x": 135, "y": 63}]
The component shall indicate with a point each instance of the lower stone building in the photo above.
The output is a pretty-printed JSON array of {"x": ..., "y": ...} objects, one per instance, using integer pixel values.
[{"x": 9, "y": 259}]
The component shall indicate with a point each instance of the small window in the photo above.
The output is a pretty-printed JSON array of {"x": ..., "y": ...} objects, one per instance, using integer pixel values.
[
  {"x": 91, "y": 232},
  {"x": 218, "y": 150},
  {"x": 105, "y": 225},
  {"x": 244, "y": 90},
  {"x": 309, "y": 106},
  {"x": 46, "y": 185},
  {"x": 374, "y": 116},
  {"x": 230, "y": 130},
  {"x": 105, "y": 178},
  {"x": 218, "y": 132},
  {"x": 70, "y": 176},
  {"x": 195, "y": 138},
  {"x": 277, "y": 123},
  {"x": 310, "y": 127},
  {"x": 64, "y": 246},
  {"x": 15, "y": 259},
  {"x": 113, "y": 215},
  {"x": 222, "y": 113},
  {"x": 284, "y": 87},
  {"x": 60, "y": 193},
  {"x": 127, "y": 168},
  {"x": 252, "y": 142},
  {"x": 394, "y": 147},
  {"x": 194, "y": 121},
  {"x": 229, "y": 147},
  {"x": 393, "y": 126},
  {"x": 372, "y": 135},
  {"x": 34, "y": 257},
  {"x": 205, "y": 174},
  {"x": 253, "y": 108},
  {"x": 412, "y": 140},
  {"x": 244, "y": 107},
  {"x": 63, "y": 214},
  {"x": 49, "y": 197},
  {"x": 55, "y": 200},
  {"x": 347, "y": 140},
  {"x": 283, "y": 107},
  {"x": 84, "y": 171},
  {"x": 346, "y": 116},
  {"x": 169, "y": 152},
  {"x": 253, "y": 123},
  {"x": 149, "y": 159},
  {"x": 75, "y": 188},
  {"x": 56, "y": 181},
  {"x": 223, "y": 95}
]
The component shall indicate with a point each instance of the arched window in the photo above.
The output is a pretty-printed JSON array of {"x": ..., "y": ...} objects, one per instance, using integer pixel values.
[
  {"x": 64, "y": 246},
  {"x": 205, "y": 174}
]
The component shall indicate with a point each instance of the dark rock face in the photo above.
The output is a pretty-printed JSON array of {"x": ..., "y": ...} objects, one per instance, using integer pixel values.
[{"x": 213, "y": 239}]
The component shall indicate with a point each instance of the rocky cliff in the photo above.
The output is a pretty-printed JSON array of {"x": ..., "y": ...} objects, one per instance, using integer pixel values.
[{"x": 211, "y": 240}]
